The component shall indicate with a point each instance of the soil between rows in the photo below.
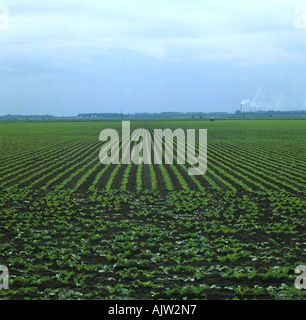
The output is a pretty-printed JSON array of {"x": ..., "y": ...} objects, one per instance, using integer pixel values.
[{"x": 86, "y": 215}]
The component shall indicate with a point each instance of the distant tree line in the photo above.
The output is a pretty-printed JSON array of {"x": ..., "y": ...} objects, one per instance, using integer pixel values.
[
  {"x": 192, "y": 115},
  {"x": 146, "y": 115},
  {"x": 26, "y": 117},
  {"x": 139, "y": 115}
]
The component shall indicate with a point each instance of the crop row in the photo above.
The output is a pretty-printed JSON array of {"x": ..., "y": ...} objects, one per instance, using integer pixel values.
[{"x": 76, "y": 165}]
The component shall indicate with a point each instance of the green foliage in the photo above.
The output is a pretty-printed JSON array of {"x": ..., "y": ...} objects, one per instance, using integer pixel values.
[{"x": 73, "y": 229}]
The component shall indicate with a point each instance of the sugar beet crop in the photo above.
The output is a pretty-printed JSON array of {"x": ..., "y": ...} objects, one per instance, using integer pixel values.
[{"x": 72, "y": 228}]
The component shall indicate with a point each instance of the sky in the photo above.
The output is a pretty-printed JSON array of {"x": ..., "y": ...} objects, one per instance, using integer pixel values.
[{"x": 65, "y": 57}]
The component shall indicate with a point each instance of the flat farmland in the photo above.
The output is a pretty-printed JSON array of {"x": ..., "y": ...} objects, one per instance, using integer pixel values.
[{"x": 73, "y": 228}]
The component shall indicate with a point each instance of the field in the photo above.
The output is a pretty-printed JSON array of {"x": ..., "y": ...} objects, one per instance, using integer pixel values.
[{"x": 72, "y": 228}]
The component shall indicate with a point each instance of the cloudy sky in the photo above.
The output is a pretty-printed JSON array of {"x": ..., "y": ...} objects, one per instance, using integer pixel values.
[{"x": 66, "y": 57}]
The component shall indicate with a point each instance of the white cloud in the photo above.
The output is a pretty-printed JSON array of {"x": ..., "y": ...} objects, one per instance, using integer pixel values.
[
  {"x": 158, "y": 28},
  {"x": 230, "y": 40}
]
